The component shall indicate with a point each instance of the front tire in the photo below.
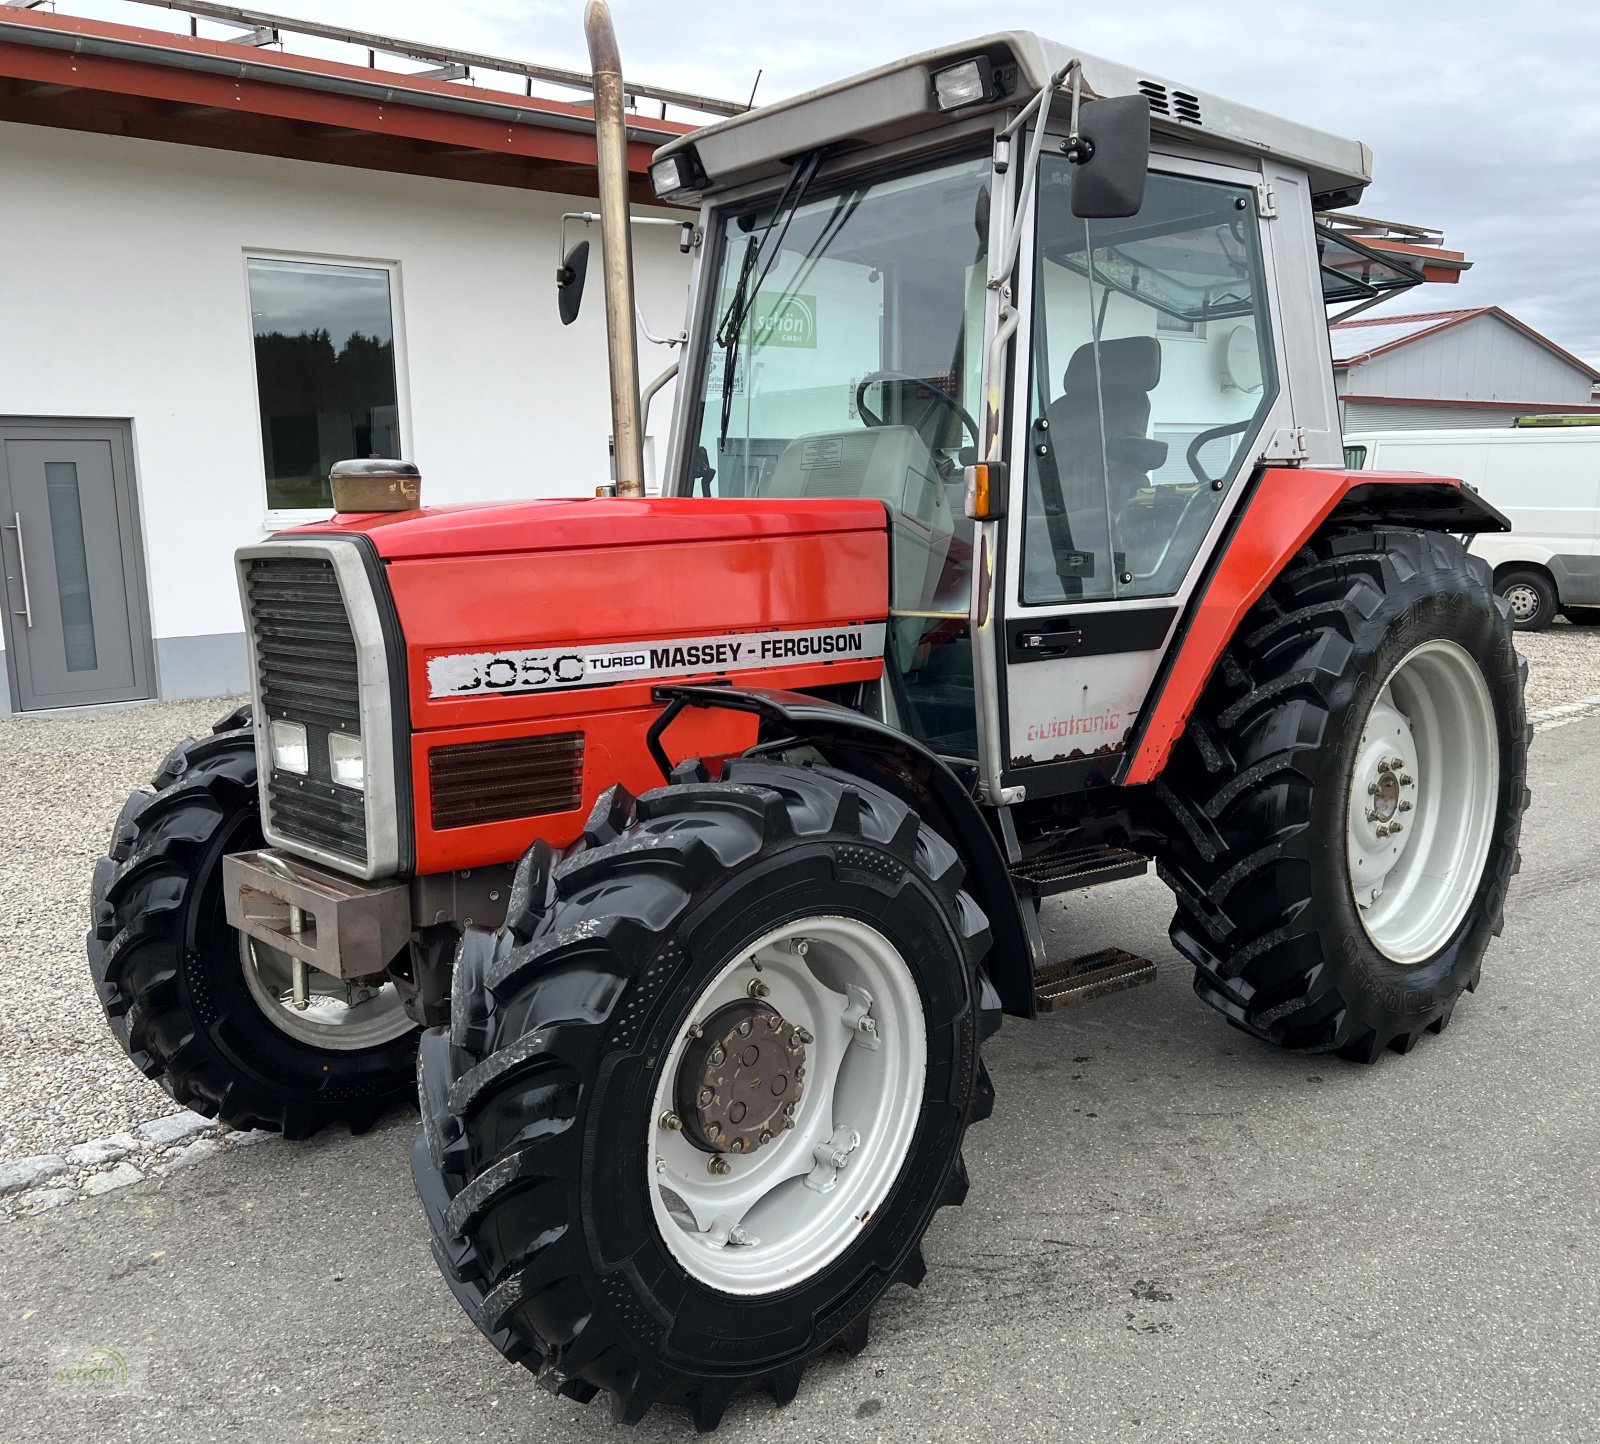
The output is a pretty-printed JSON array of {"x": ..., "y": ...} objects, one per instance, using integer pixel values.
[
  {"x": 1347, "y": 799},
  {"x": 577, "y": 1222},
  {"x": 192, "y": 1009}
]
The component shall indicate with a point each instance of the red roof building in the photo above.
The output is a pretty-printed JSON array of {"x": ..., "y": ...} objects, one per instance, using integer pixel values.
[{"x": 1478, "y": 366}]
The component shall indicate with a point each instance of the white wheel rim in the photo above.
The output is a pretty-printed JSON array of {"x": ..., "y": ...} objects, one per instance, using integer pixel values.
[
  {"x": 337, "y": 1015},
  {"x": 1524, "y": 601},
  {"x": 1422, "y": 801},
  {"x": 780, "y": 1213}
]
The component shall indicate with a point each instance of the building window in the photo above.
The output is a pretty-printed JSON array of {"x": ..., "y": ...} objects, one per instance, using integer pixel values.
[
  {"x": 325, "y": 372},
  {"x": 1172, "y": 325}
]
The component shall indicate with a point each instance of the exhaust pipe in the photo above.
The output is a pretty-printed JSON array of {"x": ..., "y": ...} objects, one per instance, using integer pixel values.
[{"x": 616, "y": 248}]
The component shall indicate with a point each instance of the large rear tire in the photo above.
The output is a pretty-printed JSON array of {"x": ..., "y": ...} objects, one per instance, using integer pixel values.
[
  {"x": 575, "y": 1217},
  {"x": 195, "y": 1009},
  {"x": 1347, "y": 799}
]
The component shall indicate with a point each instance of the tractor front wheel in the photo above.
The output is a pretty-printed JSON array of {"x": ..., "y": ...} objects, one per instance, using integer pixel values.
[
  {"x": 703, "y": 1093},
  {"x": 1346, "y": 802},
  {"x": 199, "y": 1008}
]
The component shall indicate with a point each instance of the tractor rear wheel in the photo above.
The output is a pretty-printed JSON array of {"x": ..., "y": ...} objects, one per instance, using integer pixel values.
[
  {"x": 703, "y": 1093},
  {"x": 1347, "y": 799},
  {"x": 199, "y": 1008}
]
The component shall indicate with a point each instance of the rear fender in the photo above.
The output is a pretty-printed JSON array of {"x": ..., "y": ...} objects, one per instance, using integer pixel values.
[
  {"x": 1286, "y": 507},
  {"x": 899, "y": 764}
]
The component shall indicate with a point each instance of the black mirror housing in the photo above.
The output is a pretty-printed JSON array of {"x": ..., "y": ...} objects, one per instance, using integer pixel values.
[
  {"x": 569, "y": 282},
  {"x": 1112, "y": 158}
]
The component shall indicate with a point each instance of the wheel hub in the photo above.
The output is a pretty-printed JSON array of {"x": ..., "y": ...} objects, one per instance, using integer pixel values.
[
  {"x": 741, "y": 1081},
  {"x": 1382, "y": 800}
]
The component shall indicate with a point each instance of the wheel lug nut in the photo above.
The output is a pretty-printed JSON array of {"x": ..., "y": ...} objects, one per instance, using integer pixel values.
[
  {"x": 788, "y": 1123},
  {"x": 719, "y": 1165},
  {"x": 1372, "y": 789},
  {"x": 802, "y": 1038},
  {"x": 737, "y": 1146},
  {"x": 1405, "y": 807},
  {"x": 765, "y": 1136},
  {"x": 706, "y": 1095},
  {"x": 1394, "y": 827},
  {"x": 671, "y": 1122},
  {"x": 757, "y": 988},
  {"x": 1383, "y": 832},
  {"x": 718, "y": 1057},
  {"x": 788, "y": 1110},
  {"x": 1405, "y": 780},
  {"x": 744, "y": 1028}
]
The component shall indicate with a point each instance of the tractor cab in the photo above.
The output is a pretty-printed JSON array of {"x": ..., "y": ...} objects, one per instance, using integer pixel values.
[{"x": 1050, "y": 312}]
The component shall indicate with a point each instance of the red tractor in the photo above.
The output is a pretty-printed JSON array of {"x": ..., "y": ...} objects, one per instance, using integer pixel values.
[{"x": 699, "y": 840}]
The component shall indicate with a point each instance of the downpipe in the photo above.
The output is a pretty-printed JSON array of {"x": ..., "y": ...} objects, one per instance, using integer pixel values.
[{"x": 616, "y": 248}]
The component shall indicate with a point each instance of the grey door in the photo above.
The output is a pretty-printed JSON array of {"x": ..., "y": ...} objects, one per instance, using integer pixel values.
[{"x": 76, "y": 624}]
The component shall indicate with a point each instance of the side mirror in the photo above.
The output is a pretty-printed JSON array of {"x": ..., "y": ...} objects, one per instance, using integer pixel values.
[
  {"x": 569, "y": 282},
  {"x": 1112, "y": 157}
]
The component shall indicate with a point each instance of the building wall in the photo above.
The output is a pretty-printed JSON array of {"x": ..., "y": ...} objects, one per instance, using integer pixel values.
[
  {"x": 124, "y": 296},
  {"x": 1369, "y": 416},
  {"x": 1483, "y": 359}
]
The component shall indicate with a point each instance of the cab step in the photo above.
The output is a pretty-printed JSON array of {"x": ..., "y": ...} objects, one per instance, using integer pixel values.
[
  {"x": 1064, "y": 869},
  {"x": 1081, "y": 980}
]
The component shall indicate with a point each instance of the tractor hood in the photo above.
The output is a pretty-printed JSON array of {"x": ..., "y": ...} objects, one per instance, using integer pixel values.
[{"x": 567, "y": 524}]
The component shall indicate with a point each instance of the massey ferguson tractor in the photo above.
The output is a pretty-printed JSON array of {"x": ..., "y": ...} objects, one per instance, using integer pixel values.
[{"x": 683, "y": 850}]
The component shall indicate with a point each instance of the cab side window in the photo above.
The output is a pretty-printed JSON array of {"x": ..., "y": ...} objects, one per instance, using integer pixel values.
[{"x": 1151, "y": 374}]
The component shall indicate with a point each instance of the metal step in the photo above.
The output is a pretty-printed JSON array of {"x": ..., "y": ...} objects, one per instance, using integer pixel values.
[
  {"x": 1081, "y": 980},
  {"x": 1077, "y": 866}
]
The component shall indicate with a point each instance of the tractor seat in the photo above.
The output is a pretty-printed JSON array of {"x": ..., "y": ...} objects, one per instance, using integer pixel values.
[{"x": 1118, "y": 407}]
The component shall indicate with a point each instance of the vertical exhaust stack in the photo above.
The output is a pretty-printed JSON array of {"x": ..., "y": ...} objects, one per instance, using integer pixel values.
[{"x": 616, "y": 248}]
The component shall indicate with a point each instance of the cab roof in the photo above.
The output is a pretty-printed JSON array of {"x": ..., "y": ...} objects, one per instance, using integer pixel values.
[{"x": 896, "y": 101}]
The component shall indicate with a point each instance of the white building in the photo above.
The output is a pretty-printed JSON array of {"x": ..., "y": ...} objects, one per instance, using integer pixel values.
[{"x": 229, "y": 266}]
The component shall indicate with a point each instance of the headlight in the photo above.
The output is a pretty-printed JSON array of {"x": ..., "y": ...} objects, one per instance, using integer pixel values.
[
  {"x": 289, "y": 750},
  {"x": 347, "y": 763},
  {"x": 674, "y": 174},
  {"x": 964, "y": 84}
]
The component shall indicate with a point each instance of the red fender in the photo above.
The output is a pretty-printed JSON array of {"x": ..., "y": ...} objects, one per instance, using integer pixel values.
[{"x": 1284, "y": 511}]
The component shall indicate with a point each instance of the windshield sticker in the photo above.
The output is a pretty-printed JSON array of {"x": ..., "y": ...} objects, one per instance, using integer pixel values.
[
  {"x": 481, "y": 674},
  {"x": 780, "y": 320}
]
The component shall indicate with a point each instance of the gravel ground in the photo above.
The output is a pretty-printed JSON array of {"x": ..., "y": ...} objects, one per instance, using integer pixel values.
[
  {"x": 1563, "y": 664},
  {"x": 63, "y": 778}
]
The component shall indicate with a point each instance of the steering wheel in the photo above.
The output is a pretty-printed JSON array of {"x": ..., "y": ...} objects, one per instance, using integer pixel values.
[
  {"x": 873, "y": 419},
  {"x": 1216, "y": 433}
]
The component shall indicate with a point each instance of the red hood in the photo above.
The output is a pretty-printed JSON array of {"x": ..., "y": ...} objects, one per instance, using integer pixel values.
[{"x": 574, "y": 523}]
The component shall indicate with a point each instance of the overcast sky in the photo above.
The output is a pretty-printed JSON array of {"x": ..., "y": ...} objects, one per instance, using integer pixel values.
[{"x": 1484, "y": 118}]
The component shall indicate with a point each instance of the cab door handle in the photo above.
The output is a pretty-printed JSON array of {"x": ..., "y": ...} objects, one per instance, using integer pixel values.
[{"x": 1058, "y": 640}]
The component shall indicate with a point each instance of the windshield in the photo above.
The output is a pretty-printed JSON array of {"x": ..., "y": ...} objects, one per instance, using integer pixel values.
[
  {"x": 869, "y": 316},
  {"x": 856, "y": 372}
]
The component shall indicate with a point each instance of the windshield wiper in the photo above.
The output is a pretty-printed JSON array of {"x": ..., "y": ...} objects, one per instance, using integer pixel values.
[{"x": 745, "y": 291}]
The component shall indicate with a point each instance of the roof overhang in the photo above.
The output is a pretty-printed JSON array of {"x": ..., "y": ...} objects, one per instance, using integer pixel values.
[
  {"x": 896, "y": 101},
  {"x": 77, "y": 74}
]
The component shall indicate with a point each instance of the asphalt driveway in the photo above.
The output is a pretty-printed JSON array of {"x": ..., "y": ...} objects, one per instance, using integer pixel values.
[{"x": 1173, "y": 1233}]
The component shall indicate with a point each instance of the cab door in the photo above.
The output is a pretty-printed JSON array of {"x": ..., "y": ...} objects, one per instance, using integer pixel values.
[{"x": 1153, "y": 380}]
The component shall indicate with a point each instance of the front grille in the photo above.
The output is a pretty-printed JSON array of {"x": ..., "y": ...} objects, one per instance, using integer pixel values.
[
  {"x": 307, "y": 672},
  {"x": 478, "y": 782}
]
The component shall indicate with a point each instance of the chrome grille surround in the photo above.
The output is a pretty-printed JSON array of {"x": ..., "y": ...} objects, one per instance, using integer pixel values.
[{"x": 318, "y": 656}]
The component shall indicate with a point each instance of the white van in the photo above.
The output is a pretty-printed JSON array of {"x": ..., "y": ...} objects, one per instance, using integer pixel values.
[{"x": 1545, "y": 478}]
